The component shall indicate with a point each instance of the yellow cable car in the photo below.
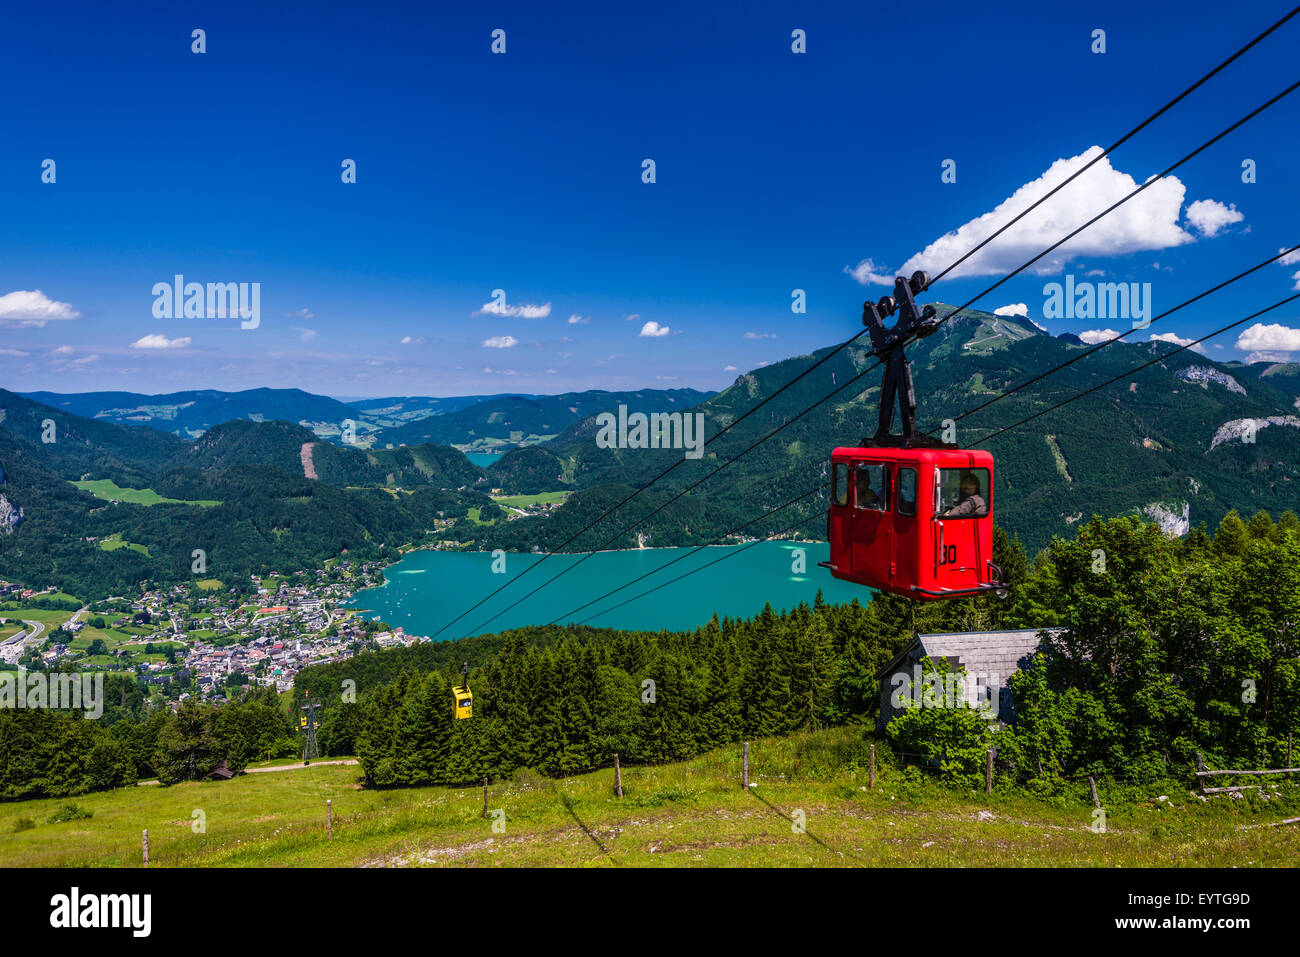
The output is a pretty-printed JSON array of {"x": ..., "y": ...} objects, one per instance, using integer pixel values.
[
  {"x": 462, "y": 696},
  {"x": 464, "y": 702}
]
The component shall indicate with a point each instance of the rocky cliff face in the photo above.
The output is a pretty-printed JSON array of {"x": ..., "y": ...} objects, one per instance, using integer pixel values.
[
  {"x": 11, "y": 516},
  {"x": 1172, "y": 520}
]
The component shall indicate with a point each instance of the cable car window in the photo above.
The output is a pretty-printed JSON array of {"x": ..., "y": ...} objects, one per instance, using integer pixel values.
[
  {"x": 872, "y": 487},
  {"x": 839, "y": 484},
  {"x": 961, "y": 493},
  {"x": 907, "y": 491}
]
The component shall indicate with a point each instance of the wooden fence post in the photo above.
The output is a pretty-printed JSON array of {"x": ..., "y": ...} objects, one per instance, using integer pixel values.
[
  {"x": 1092, "y": 783},
  {"x": 485, "y": 814},
  {"x": 329, "y": 817},
  {"x": 618, "y": 777},
  {"x": 745, "y": 771},
  {"x": 871, "y": 774},
  {"x": 146, "y": 847},
  {"x": 988, "y": 773}
]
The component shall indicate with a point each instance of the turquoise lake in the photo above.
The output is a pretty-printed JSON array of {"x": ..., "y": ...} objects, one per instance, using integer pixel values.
[
  {"x": 427, "y": 589},
  {"x": 483, "y": 459}
]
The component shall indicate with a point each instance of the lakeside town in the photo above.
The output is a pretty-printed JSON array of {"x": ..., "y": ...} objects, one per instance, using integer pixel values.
[{"x": 203, "y": 640}]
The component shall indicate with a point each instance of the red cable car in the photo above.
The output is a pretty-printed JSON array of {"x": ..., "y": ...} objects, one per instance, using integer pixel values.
[{"x": 909, "y": 514}]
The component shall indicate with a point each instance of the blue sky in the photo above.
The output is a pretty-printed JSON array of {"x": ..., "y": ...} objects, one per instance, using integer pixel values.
[{"x": 523, "y": 172}]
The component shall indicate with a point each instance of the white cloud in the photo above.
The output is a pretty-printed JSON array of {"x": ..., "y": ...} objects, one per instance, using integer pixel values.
[
  {"x": 500, "y": 342},
  {"x": 300, "y": 314},
  {"x": 13, "y": 352},
  {"x": 652, "y": 330},
  {"x": 1149, "y": 221},
  {"x": 1014, "y": 309},
  {"x": 760, "y": 335},
  {"x": 1290, "y": 259},
  {"x": 1094, "y": 336},
  {"x": 577, "y": 320},
  {"x": 33, "y": 308},
  {"x": 1176, "y": 340},
  {"x": 524, "y": 310},
  {"x": 869, "y": 274},
  {"x": 632, "y": 317},
  {"x": 305, "y": 335},
  {"x": 1208, "y": 216},
  {"x": 155, "y": 341},
  {"x": 490, "y": 371},
  {"x": 1271, "y": 342}
]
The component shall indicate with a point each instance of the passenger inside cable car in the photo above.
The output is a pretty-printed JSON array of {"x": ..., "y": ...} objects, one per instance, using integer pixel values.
[
  {"x": 967, "y": 500},
  {"x": 873, "y": 487}
]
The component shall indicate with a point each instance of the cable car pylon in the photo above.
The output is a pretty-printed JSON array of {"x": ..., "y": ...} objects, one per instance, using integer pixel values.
[{"x": 910, "y": 514}]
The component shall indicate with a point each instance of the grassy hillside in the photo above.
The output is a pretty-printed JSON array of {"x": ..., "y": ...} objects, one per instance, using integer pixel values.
[{"x": 689, "y": 814}]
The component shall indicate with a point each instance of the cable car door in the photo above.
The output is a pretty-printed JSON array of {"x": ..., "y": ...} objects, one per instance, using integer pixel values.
[
  {"x": 872, "y": 523},
  {"x": 908, "y": 525}
]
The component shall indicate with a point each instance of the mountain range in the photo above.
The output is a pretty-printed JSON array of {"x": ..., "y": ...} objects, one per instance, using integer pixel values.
[
  {"x": 482, "y": 422},
  {"x": 1180, "y": 443}
]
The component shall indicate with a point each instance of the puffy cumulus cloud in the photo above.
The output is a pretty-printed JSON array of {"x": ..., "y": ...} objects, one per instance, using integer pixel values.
[
  {"x": 652, "y": 330},
  {"x": 728, "y": 368},
  {"x": 1148, "y": 221},
  {"x": 155, "y": 341},
  {"x": 577, "y": 320},
  {"x": 1094, "y": 336},
  {"x": 31, "y": 307},
  {"x": 868, "y": 273},
  {"x": 1208, "y": 216},
  {"x": 411, "y": 340},
  {"x": 500, "y": 342},
  {"x": 1175, "y": 339},
  {"x": 1014, "y": 309},
  {"x": 497, "y": 307},
  {"x": 1269, "y": 342}
]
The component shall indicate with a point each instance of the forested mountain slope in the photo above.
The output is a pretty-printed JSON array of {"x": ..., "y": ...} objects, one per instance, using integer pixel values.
[{"x": 1171, "y": 443}]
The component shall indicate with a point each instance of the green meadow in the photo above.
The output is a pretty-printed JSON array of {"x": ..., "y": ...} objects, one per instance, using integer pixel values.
[
  {"x": 695, "y": 813},
  {"x": 107, "y": 489}
]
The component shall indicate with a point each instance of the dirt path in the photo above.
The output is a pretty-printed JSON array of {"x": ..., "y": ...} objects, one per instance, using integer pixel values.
[
  {"x": 296, "y": 767},
  {"x": 282, "y": 767}
]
